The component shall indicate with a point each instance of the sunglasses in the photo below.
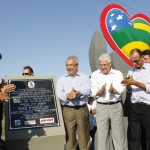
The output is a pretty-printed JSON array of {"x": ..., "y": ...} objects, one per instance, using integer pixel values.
[
  {"x": 136, "y": 61},
  {"x": 27, "y": 74},
  {"x": 71, "y": 65}
]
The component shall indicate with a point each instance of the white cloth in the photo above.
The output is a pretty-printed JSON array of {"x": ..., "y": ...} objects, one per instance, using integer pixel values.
[{"x": 92, "y": 118}]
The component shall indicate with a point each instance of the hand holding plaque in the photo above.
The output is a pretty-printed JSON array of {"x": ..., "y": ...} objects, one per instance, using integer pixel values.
[{"x": 5, "y": 89}]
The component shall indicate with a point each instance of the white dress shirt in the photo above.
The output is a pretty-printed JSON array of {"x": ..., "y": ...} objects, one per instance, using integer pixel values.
[{"x": 114, "y": 77}]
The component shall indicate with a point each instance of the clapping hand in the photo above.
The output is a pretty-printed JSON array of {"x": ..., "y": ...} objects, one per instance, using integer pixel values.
[
  {"x": 111, "y": 89},
  {"x": 102, "y": 90},
  {"x": 128, "y": 81},
  {"x": 73, "y": 94}
]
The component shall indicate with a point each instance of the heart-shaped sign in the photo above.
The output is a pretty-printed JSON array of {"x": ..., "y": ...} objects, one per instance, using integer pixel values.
[{"x": 124, "y": 33}]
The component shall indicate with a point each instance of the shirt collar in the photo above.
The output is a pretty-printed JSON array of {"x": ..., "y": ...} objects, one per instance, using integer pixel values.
[
  {"x": 112, "y": 71},
  {"x": 77, "y": 74},
  {"x": 143, "y": 67}
]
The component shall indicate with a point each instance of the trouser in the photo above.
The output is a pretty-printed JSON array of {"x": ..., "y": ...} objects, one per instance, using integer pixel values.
[
  {"x": 139, "y": 116},
  {"x": 92, "y": 132},
  {"x": 77, "y": 122},
  {"x": 113, "y": 112},
  {"x": 143, "y": 139}
]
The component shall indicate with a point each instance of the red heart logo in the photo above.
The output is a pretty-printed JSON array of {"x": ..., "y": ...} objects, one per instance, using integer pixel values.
[{"x": 124, "y": 33}]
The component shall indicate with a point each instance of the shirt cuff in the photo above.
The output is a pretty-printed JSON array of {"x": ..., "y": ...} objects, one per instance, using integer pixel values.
[{"x": 147, "y": 88}]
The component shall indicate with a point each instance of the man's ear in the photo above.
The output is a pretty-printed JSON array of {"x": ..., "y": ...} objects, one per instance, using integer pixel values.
[
  {"x": 111, "y": 64},
  {"x": 142, "y": 57}
]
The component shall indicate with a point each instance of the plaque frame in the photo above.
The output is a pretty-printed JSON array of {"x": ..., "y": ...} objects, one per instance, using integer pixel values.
[{"x": 15, "y": 120}]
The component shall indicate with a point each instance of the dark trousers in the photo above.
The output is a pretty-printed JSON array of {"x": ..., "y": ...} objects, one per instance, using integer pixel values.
[
  {"x": 143, "y": 139},
  {"x": 1, "y": 117},
  {"x": 92, "y": 134},
  {"x": 139, "y": 117},
  {"x": 3, "y": 145}
]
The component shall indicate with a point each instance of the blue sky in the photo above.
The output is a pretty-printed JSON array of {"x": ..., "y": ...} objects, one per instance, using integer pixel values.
[{"x": 43, "y": 33}]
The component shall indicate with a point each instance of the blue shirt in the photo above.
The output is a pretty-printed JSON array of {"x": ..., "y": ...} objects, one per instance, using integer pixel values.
[
  {"x": 143, "y": 76},
  {"x": 80, "y": 82}
]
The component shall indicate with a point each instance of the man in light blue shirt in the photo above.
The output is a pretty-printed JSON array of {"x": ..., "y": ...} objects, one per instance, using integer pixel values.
[
  {"x": 138, "y": 83},
  {"x": 73, "y": 90}
]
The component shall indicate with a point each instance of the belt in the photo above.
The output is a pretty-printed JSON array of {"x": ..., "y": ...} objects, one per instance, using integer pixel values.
[
  {"x": 108, "y": 103},
  {"x": 76, "y": 107},
  {"x": 140, "y": 104}
]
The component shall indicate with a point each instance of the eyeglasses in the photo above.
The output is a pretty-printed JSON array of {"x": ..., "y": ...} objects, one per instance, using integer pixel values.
[
  {"x": 136, "y": 61},
  {"x": 25, "y": 74},
  {"x": 104, "y": 65},
  {"x": 71, "y": 65}
]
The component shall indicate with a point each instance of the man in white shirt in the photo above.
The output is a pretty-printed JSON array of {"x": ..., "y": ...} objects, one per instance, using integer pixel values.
[{"x": 106, "y": 86}]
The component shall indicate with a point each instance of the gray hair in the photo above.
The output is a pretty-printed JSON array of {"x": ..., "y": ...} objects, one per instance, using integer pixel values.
[
  {"x": 73, "y": 57},
  {"x": 105, "y": 57}
]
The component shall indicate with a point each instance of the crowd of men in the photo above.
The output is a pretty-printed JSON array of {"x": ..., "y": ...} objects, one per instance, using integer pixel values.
[{"x": 106, "y": 85}]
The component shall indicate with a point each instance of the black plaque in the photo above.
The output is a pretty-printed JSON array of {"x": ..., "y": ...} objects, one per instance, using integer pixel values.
[{"x": 33, "y": 104}]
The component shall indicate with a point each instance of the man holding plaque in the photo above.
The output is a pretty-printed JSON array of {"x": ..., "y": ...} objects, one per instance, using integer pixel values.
[
  {"x": 73, "y": 90},
  {"x": 4, "y": 90}
]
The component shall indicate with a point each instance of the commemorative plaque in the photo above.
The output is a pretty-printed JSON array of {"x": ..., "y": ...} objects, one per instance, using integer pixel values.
[
  {"x": 33, "y": 104},
  {"x": 33, "y": 115}
]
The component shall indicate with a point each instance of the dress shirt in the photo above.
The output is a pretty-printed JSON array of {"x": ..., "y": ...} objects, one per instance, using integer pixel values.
[
  {"x": 92, "y": 118},
  {"x": 114, "y": 77},
  {"x": 81, "y": 82},
  {"x": 143, "y": 76}
]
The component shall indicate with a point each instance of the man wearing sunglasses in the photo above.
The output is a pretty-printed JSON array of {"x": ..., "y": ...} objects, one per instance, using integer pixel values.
[
  {"x": 28, "y": 71},
  {"x": 138, "y": 84}
]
